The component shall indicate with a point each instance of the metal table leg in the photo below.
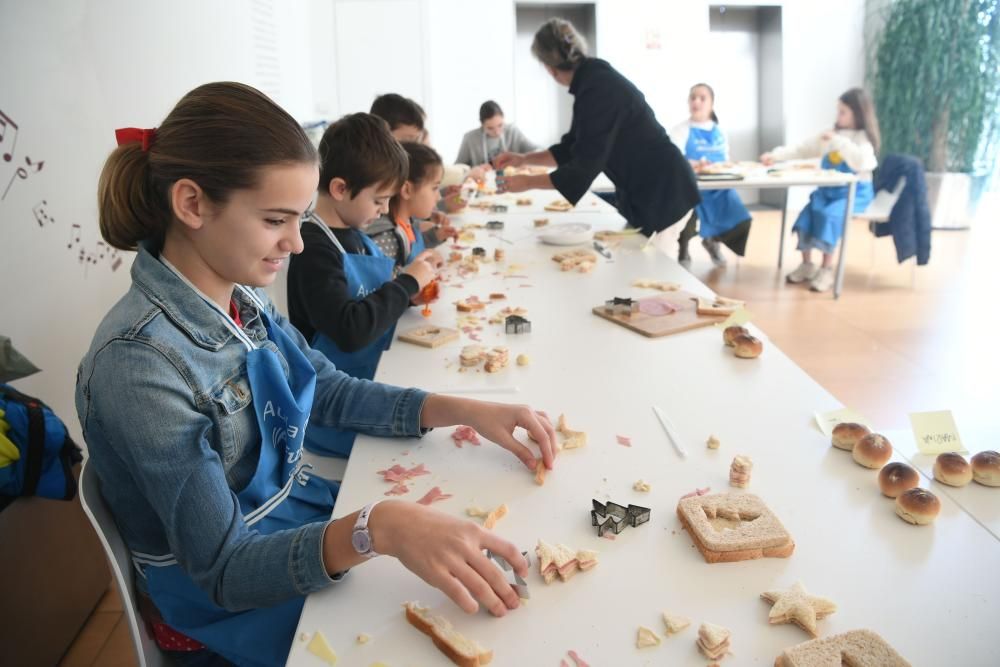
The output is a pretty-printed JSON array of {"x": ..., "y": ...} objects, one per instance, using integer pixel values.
[
  {"x": 781, "y": 241},
  {"x": 848, "y": 215}
]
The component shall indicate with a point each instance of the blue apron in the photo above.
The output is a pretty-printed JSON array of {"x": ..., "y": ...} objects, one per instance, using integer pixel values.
[
  {"x": 823, "y": 217},
  {"x": 719, "y": 210},
  {"x": 365, "y": 274},
  {"x": 281, "y": 495}
]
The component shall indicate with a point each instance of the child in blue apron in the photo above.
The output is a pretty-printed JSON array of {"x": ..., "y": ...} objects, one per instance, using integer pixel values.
[
  {"x": 196, "y": 394},
  {"x": 344, "y": 294},
  {"x": 398, "y": 234},
  {"x": 850, "y": 147},
  {"x": 722, "y": 215}
]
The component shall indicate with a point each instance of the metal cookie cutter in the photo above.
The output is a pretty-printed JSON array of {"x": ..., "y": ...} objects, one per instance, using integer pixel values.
[{"x": 519, "y": 585}]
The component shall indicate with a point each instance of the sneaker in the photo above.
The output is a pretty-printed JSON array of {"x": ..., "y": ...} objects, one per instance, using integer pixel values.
[
  {"x": 712, "y": 246},
  {"x": 823, "y": 280},
  {"x": 805, "y": 273}
]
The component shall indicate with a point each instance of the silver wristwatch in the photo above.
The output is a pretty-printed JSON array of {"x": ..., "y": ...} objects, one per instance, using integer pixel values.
[{"x": 361, "y": 539}]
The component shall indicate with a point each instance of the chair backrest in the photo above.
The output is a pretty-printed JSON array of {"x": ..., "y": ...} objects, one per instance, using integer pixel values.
[
  {"x": 147, "y": 652},
  {"x": 881, "y": 205}
]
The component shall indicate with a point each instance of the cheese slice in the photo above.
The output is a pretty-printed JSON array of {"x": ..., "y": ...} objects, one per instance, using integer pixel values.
[
  {"x": 319, "y": 647},
  {"x": 645, "y": 638}
]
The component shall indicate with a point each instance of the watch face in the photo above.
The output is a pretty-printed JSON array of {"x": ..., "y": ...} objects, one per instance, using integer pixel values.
[{"x": 362, "y": 543}]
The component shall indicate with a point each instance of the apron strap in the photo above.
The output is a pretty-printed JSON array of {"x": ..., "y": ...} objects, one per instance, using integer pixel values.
[
  {"x": 226, "y": 319},
  {"x": 316, "y": 220}
]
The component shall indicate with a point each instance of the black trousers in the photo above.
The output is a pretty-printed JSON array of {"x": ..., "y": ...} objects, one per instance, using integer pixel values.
[{"x": 735, "y": 239}]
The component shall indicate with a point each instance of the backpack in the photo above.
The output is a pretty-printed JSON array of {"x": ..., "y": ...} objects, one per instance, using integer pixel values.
[{"x": 45, "y": 454}]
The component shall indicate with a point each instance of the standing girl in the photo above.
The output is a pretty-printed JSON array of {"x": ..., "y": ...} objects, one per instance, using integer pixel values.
[
  {"x": 849, "y": 147},
  {"x": 723, "y": 216},
  {"x": 195, "y": 394}
]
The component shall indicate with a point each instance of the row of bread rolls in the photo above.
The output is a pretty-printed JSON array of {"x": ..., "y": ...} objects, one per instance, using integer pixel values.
[
  {"x": 896, "y": 480},
  {"x": 952, "y": 469}
]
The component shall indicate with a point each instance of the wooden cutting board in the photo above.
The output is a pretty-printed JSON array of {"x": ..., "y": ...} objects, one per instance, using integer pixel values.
[
  {"x": 429, "y": 335},
  {"x": 654, "y": 326}
]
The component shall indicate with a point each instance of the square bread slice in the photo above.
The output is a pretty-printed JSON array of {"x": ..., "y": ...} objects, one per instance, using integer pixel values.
[
  {"x": 857, "y": 648},
  {"x": 729, "y": 527}
]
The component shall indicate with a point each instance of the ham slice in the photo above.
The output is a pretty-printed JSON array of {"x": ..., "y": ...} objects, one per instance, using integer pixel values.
[
  {"x": 398, "y": 490},
  {"x": 398, "y": 473},
  {"x": 465, "y": 434},
  {"x": 624, "y": 440},
  {"x": 656, "y": 306},
  {"x": 434, "y": 495}
]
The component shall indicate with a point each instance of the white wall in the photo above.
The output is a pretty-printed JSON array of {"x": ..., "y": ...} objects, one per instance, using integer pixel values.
[
  {"x": 76, "y": 69},
  {"x": 73, "y": 72}
]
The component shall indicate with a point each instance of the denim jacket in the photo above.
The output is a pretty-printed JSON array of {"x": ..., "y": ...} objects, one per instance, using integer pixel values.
[{"x": 165, "y": 404}]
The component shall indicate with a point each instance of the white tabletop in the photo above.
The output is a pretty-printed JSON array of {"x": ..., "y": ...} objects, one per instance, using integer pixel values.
[
  {"x": 919, "y": 587},
  {"x": 782, "y": 179}
]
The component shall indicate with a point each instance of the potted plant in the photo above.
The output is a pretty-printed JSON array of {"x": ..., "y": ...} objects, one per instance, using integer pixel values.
[{"x": 935, "y": 74}]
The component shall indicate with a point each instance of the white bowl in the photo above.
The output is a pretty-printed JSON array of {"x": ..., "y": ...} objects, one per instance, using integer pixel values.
[{"x": 566, "y": 233}]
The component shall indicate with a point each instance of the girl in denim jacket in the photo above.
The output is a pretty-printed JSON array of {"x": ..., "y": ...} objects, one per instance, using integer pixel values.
[{"x": 196, "y": 392}]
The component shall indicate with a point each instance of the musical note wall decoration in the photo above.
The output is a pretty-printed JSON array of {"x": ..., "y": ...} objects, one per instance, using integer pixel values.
[{"x": 87, "y": 254}]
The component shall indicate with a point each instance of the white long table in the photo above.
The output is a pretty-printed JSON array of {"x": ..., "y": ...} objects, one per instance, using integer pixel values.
[{"x": 930, "y": 591}]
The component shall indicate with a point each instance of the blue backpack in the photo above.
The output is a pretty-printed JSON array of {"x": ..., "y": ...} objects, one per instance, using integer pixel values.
[{"x": 47, "y": 454}]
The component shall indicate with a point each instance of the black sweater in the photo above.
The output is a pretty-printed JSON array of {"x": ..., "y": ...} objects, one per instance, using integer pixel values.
[
  {"x": 318, "y": 299},
  {"x": 615, "y": 131}
]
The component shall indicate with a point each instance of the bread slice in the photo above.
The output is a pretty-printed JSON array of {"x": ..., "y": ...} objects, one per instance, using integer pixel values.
[
  {"x": 722, "y": 538},
  {"x": 857, "y": 648},
  {"x": 461, "y": 651}
]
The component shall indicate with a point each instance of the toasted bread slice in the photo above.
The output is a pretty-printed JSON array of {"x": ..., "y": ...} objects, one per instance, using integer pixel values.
[
  {"x": 461, "y": 651},
  {"x": 757, "y": 533},
  {"x": 857, "y": 648}
]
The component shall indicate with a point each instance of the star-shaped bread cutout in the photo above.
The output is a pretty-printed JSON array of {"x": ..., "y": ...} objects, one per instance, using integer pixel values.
[{"x": 797, "y": 606}]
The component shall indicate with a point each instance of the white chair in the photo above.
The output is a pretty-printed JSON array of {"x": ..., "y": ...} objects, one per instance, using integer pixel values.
[
  {"x": 147, "y": 652},
  {"x": 878, "y": 211}
]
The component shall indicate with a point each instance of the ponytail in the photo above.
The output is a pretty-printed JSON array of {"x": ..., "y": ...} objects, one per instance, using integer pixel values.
[{"x": 126, "y": 210}]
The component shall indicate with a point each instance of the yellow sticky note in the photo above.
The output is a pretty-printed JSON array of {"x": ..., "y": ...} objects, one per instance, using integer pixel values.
[
  {"x": 936, "y": 432},
  {"x": 737, "y": 318},
  {"x": 828, "y": 420}
]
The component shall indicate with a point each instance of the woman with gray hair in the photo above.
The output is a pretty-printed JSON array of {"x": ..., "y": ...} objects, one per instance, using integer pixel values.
[{"x": 613, "y": 130}]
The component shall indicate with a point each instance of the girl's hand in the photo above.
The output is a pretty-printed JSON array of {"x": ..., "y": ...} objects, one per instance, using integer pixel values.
[
  {"x": 432, "y": 257},
  {"x": 699, "y": 165},
  {"x": 767, "y": 159},
  {"x": 512, "y": 184},
  {"x": 445, "y": 232},
  {"x": 826, "y": 136},
  {"x": 447, "y": 553},
  {"x": 508, "y": 159},
  {"x": 497, "y": 422}
]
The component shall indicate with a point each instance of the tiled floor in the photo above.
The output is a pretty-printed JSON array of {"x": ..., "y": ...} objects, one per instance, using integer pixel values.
[{"x": 886, "y": 347}]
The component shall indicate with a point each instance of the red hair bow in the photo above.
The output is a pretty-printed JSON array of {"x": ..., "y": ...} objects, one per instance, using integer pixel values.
[{"x": 127, "y": 135}]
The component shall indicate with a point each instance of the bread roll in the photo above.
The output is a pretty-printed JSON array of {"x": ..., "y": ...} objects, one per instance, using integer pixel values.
[
  {"x": 847, "y": 434},
  {"x": 952, "y": 469},
  {"x": 732, "y": 332},
  {"x": 918, "y": 506},
  {"x": 747, "y": 347},
  {"x": 872, "y": 451},
  {"x": 986, "y": 468},
  {"x": 895, "y": 478}
]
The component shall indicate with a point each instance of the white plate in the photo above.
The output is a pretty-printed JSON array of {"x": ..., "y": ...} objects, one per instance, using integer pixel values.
[{"x": 566, "y": 233}]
